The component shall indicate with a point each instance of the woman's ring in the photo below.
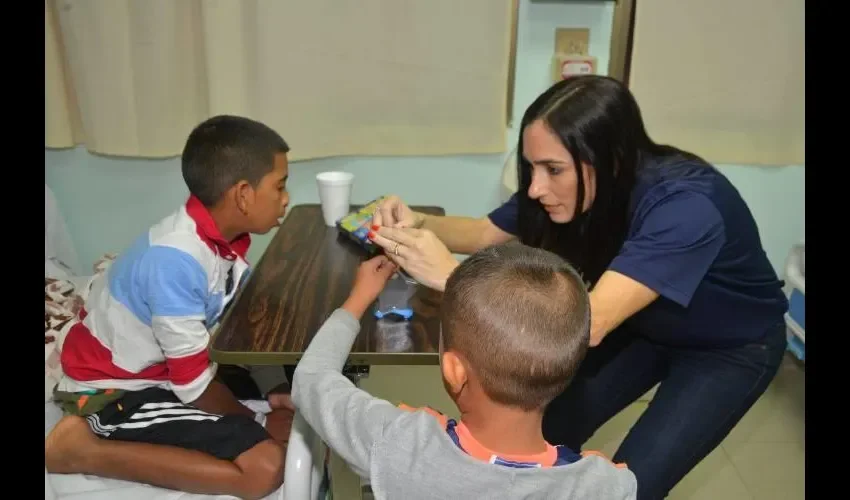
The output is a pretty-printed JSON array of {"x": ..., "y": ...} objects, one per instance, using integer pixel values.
[{"x": 395, "y": 250}]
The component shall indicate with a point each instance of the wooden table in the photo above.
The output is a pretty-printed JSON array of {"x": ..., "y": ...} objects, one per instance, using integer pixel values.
[{"x": 304, "y": 275}]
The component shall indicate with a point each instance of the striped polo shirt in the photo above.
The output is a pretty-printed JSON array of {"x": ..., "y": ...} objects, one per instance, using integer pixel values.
[{"x": 146, "y": 319}]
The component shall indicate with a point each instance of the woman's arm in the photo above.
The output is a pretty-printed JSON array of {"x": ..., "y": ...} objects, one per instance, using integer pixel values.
[
  {"x": 669, "y": 256},
  {"x": 419, "y": 252},
  {"x": 614, "y": 299},
  {"x": 423, "y": 244},
  {"x": 463, "y": 235}
]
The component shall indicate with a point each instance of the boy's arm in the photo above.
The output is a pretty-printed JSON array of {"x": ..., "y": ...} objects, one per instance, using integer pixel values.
[
  {"x": 348, "y": 419},
  {"x": 176, "y": 288}
]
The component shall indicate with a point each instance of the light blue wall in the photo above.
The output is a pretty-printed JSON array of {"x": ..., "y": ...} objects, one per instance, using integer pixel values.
[{"x": 108, "y": 201}]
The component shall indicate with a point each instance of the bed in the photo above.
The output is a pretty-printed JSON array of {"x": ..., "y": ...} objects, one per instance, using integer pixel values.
[{"x": 65, "y": 291}]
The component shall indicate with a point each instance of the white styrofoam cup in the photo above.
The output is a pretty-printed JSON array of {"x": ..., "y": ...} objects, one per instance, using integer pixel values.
[{"x": 335, "y": 195}]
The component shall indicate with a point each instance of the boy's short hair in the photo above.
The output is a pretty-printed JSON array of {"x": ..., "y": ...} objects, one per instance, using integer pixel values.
[
  {"x": 521, "y": 317},
  {"x": 224, "y": 150}
]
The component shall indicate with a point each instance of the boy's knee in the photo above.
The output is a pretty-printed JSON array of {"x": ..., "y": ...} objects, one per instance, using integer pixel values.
[{"x": 262, "y": 469}]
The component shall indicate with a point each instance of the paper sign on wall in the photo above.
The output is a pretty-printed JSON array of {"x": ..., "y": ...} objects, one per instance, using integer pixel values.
[{"x": 571, "y": 57}]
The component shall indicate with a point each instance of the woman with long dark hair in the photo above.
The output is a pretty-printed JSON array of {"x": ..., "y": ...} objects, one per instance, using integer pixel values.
[{"x": 682, "y": 292}]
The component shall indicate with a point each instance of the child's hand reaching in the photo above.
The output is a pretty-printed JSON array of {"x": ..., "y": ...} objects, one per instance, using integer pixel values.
[{"x": 371, "y": 278}]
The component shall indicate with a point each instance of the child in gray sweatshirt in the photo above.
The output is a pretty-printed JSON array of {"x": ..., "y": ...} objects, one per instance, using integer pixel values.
[{"x": 515, "y": 326}]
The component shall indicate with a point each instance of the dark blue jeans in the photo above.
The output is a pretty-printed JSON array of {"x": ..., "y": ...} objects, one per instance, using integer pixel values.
[{"x": 702, "y": 394}]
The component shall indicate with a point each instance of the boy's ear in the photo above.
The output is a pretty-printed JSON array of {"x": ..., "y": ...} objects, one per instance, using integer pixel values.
[
  {"x": 244, "y": 195},
  {"x": 454, "y": 372}
]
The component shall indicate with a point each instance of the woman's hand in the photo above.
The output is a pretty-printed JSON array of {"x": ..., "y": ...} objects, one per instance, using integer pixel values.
[
  {"x": 371, "y": 278},
  {"x": 419, "y": 252},
  {"x": 392, "y": 212}
]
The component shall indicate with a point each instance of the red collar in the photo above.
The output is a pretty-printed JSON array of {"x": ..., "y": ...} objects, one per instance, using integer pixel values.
[{"x": 209, "y": 233}]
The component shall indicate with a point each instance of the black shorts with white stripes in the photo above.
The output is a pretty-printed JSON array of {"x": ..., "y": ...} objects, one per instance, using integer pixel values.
[{"x": 157, "y": 416}]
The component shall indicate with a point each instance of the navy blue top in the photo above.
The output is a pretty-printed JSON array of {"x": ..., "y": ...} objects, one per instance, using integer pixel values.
[{"x": 693, "y": 240}]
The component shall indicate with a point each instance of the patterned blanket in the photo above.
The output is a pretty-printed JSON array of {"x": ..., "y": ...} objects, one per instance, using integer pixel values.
[{"x": 63, "y": 300}]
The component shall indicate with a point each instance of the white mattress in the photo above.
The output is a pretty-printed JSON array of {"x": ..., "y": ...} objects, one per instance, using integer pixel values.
[{"x": 82, "y": 487}]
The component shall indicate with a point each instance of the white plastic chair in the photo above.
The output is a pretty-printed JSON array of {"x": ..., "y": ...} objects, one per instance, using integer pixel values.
[{"x": 305, "y": 462}]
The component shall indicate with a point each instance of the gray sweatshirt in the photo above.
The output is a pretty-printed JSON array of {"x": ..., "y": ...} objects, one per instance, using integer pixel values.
[{"x": 409, "y": 455}]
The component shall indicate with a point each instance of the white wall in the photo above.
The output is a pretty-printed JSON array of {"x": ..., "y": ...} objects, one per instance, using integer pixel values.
[{"x": 109, "y": 201}]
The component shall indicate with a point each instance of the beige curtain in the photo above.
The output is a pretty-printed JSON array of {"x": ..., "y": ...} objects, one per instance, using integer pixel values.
[
  {"x": 334, "y": 77},
  {"x": 723, "y": 78}
]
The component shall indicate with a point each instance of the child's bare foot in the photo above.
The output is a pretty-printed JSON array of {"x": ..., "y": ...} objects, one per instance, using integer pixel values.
[{"x": 67, "y": 444}]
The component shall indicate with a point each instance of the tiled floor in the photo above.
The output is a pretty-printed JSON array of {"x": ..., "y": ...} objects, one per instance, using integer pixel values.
[{"x": 762, "y": 458}]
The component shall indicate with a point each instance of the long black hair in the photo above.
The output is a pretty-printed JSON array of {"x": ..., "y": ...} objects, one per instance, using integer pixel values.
[{"x": 599, "y": 123}]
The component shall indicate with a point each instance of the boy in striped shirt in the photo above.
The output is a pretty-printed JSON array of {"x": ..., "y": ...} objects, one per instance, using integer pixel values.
[{"x": 142, "y": 395}]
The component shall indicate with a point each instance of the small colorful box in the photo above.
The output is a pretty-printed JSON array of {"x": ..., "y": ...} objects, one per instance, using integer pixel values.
[{"x": 357, "y": 225}]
